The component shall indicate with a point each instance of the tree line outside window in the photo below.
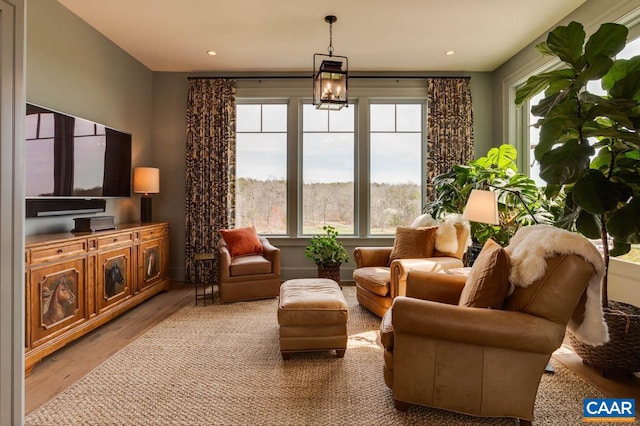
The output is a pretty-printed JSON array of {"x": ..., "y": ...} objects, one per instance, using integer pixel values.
[{"x": 327, "y": 165}]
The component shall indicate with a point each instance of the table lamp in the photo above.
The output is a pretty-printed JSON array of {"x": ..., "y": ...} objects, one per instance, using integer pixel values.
[
  {"x": 146, "y": 180},
  {"x": 482, "y": 207}
]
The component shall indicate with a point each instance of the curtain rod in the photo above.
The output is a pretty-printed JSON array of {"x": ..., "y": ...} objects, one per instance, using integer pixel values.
[{"x": 285, "y": 77}]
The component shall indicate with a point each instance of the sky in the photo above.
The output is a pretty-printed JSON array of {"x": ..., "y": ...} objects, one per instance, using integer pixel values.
[{"x": 328, "y": 145}]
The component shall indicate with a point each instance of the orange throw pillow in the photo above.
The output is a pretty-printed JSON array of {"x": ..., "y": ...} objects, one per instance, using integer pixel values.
[
  {"x": 413, "y": 243},
  {"x": 242, "y": 241},
  {"x": 488, "y": 280}
]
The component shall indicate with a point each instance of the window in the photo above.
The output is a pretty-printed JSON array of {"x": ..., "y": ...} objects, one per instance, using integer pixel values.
[
  {"x": 534, "y": 137},
  {"x": 631, "y": 49},
  {"x": 328, "y": 169},
  {"x": 395, "y": 165},
  {"x": 261, "y": 167},
  {"x": 299, "y": 168}
]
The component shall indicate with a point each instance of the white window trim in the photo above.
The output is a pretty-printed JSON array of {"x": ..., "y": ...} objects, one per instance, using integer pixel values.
[
  {"x": 423, "y": 153},
  {"x": 353, "y": 103},
  {"x": 298, "y": 91}
]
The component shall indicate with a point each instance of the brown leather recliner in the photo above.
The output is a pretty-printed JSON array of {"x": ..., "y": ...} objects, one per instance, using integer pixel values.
[
  {"x": 248, "y": 277},
  {"x": 378, "y": 282},
  {"x": 477, "y": 361}
]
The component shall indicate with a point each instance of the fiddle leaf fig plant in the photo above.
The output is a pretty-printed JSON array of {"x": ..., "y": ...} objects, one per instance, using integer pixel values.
[
  {"x": 325, "y": 249},
  {"x": 589, "y": 142}
]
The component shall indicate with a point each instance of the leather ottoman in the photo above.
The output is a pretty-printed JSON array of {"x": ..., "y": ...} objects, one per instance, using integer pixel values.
[{"x": 312, "y": 314}]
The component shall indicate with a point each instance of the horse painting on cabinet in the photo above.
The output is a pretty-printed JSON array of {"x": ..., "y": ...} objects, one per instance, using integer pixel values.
[
  {"x": 59, "y": 299},
  {"x": 114, "y": 278},
  {"x": 151, "y": 263}
]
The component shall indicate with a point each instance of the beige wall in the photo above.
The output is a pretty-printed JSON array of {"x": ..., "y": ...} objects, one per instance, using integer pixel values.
[
  {"x": 169, "y": 142},
  {"x": 74, "y": 69},
  {"x": 482, "y": 98}
]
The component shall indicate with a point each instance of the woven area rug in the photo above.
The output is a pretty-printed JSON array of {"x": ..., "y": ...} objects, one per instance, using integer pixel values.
[{"x": 220, "y": 364}]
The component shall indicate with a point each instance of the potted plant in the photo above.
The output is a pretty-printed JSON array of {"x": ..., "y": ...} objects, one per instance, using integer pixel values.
[
  {"x": 327, "y": 253},
  {"x": 498, "y": 169},
  {"x": 590, "y": 148}
]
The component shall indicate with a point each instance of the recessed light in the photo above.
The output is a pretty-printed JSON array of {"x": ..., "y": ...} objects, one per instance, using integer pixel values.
[
  {"x": 211, "y": 53},
  {"x": 450, "y": 53}
]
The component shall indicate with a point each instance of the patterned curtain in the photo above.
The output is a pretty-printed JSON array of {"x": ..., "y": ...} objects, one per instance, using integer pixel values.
[
  {"x": 210, "y": 171},
  {"x": 449, "y": 126}
]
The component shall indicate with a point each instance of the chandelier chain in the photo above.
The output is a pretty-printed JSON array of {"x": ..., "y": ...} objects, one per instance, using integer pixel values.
[{"x": 330, "y": 39}]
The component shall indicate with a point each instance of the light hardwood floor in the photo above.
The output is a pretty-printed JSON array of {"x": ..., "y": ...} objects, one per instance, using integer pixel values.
[{"x": 63, "y": 368}]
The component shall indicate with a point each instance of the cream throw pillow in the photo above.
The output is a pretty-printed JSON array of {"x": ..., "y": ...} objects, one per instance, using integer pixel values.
[{"x": 447, "y": 234}]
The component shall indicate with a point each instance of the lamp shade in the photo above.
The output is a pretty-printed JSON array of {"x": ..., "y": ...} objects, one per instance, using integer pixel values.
[
  {"x": 146, "y": 180},
  {"x": 482, "y": 207}
]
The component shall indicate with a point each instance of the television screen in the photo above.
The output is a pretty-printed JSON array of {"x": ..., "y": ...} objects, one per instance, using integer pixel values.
[{"x": 74, "y": 158}]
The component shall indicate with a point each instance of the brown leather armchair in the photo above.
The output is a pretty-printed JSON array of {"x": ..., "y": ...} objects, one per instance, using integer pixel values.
[
  {"x": 378, "y": 282},
  {"x": 248, "y": 277},
  {"x": 477, "y": 361}
]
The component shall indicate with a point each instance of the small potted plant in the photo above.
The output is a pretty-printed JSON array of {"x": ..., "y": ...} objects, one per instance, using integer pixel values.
[{"x": 328, "y": 253}]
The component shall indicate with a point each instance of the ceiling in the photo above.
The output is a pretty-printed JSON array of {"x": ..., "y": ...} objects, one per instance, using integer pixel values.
[{"x": 283, "y": 35}]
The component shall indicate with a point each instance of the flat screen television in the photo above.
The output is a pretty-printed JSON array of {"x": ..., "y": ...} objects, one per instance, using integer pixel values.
[{"x": 70, "y": 157}]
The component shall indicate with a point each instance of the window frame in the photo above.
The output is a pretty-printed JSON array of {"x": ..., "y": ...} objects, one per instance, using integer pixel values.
[
  {"x": 422, "y": 101},
  {"x": 361, "y": 91},
  {"x": 519, "y": 124},
  {"x": 353, "y": 103},
  {"x": 272, "y": 101}
]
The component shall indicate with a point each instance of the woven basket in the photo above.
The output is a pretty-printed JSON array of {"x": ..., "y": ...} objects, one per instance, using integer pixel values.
[
  {"x": 330, "y": 271},
  {"x": 621, "y": 355}
]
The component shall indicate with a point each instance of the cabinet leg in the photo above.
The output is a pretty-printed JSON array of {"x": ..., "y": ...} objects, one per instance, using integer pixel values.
[
  {"x": 28, "y": 370},
  {"x": 286, "y": 355}
]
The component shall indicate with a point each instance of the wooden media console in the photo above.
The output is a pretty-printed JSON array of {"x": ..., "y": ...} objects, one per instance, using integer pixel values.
[{"x": 76, "y": 282}]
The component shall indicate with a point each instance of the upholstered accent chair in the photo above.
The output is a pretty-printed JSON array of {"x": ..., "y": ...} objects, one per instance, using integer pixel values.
[
  {"x": 379, "y": 278},
  {"x": 247, "y": 277},
  {"x": 476, "y": 360}
]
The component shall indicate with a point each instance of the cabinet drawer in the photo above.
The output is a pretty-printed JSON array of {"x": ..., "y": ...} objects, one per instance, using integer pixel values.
[
  {"x": 150, "y": 233},
  {"x": 114, "y": 239},
  {"x": 57, "y": 251}
]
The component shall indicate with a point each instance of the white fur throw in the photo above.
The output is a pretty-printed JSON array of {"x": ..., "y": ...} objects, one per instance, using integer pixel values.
[
  {"x": 446, "y": 236},
  {"x": 424, "y": 221},
  {"x": 528, "y": 249}
]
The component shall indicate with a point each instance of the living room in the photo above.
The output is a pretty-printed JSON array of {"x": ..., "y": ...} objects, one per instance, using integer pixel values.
[{"x": 73, "y": 68}]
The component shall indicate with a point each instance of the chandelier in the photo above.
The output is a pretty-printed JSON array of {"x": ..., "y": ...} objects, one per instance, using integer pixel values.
[{"x": 330, "y": 77}]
